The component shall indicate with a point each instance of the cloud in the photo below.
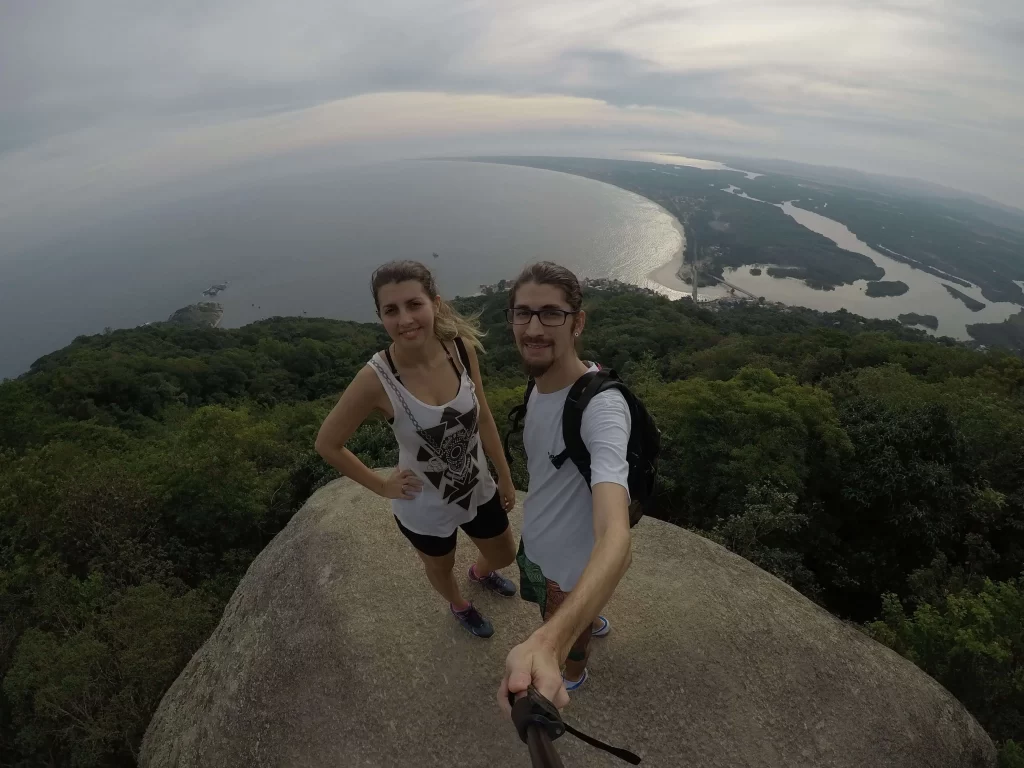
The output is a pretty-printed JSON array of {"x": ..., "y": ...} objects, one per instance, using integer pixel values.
[
  {"x": 96, "y": 167},
  {"x": 102, "y": 98}
]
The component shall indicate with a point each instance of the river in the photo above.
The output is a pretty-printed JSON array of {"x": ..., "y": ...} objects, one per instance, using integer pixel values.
[{"x": 926, "y": 294}]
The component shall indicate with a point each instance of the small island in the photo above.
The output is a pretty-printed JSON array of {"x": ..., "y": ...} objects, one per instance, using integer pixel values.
[
  {"x": 755, "y": 271},
  {"x": 972, "y": 304},
  {"x": 205, "y": 314},
  {"x": 213, "y": 290},
  {"x": 797, "y": 273},
  {"x": 928, "y": 321},
  {"x": 887, "y": 288}
]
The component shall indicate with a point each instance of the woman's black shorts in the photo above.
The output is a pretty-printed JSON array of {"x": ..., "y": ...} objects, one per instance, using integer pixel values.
[{"x": 490, "y": 521}]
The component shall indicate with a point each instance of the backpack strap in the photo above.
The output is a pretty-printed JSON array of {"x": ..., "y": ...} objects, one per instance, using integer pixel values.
[
  {"x": 583, "y": 391},
  {"x": 516, "y": 416}
]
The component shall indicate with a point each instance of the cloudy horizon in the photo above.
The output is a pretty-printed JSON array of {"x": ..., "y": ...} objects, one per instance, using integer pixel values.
[{"x": 104, "y": 101}]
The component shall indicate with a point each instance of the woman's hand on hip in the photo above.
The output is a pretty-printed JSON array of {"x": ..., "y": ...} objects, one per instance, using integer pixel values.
[{"x": 401, "y": 484}]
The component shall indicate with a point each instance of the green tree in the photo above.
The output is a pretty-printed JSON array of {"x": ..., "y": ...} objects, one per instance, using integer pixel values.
[
  {"x": 86, "y": 690},
  {"x": 764, "y": 533},
  {"x": 973, "y": 643}
]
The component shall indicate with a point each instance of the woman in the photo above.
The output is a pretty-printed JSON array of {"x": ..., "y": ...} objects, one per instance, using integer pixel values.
[{"x": 427, "y": 384}]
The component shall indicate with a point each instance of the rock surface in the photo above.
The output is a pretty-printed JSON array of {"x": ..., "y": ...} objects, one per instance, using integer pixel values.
[
  {"x": 334, "y": 651},
  {"x": 205, "y": 314}
]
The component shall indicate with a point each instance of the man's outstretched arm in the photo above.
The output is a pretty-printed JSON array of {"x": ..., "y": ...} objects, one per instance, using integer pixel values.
[{"x": 538, "y": 659}]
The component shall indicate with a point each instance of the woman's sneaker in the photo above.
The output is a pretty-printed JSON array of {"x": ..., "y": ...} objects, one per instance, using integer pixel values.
[
  {"x": 493, "y": 581},
  {"x": 603, "y": 630},
  {"x": 575, "y": 685},
  {"x": 471, "y": 619}
]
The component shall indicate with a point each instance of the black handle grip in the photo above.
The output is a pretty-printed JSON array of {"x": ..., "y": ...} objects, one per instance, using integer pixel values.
[
  {"x": 542, "y": 751},
  {"x": 535, "y": 710},
  {"x": 539, "y": 722}
]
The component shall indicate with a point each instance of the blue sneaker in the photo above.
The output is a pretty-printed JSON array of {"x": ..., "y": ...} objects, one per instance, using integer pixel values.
[
  {"x": 471, "y": 619},
  {"x": 573, "y": 685},
  {"x": 603, "y": 630},
  {"x": 495, "y": 582}
]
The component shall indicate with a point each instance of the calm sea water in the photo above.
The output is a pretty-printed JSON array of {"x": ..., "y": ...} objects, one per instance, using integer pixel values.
[{"x": 308, "y": 244}]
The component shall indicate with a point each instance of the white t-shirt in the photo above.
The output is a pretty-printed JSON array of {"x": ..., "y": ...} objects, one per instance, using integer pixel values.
[{"x": 558, "y": 513}]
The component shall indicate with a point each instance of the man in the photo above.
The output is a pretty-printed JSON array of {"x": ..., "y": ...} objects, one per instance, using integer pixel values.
[{"x": 576, "y": 541}]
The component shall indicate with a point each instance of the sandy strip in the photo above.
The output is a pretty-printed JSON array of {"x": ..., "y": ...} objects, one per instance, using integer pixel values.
[{"x": 665, "y": 275}]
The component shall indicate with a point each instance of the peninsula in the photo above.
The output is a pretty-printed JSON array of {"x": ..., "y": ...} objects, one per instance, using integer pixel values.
[{"x": 972, "y": 304}]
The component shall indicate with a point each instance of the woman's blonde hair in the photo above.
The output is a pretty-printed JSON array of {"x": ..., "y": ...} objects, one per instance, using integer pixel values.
[{"x": 448, "y": 323}]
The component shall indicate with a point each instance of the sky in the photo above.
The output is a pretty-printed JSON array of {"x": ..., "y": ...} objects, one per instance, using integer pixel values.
[{"x": 105, "y": 102}]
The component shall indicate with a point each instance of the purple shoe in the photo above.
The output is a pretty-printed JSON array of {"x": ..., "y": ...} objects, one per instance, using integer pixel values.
[
  {"x": 471, "y": 619},
  {"x": 495, "y": 582}
]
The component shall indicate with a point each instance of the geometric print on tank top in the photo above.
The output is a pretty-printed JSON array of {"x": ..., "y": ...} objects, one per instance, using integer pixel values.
[{"x": 445, "y": 451}]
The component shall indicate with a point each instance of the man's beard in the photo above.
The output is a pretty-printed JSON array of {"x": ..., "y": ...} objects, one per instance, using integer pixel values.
[{"x": 534, "y": 370}]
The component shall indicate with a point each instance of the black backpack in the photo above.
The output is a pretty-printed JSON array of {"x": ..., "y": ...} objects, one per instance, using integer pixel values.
[{"x": 641, "y": 451}]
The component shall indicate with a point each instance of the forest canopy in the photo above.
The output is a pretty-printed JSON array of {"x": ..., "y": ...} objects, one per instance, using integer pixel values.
[{"x": 878, "y": 471}]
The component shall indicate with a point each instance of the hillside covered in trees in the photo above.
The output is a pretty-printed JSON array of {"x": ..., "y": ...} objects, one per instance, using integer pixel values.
[{"x": 879, "y": 472}]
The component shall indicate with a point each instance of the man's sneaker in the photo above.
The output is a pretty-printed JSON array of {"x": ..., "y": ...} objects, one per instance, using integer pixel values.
[
  {"x": 495, "y": 582},
  {"x": 605, "y": 628},
  {"x": 575, "y": 685},
  {"x": 473, "y": 621}
]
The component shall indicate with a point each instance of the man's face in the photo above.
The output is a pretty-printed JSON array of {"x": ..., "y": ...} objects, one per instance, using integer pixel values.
[{"x": 542, "y": 345}]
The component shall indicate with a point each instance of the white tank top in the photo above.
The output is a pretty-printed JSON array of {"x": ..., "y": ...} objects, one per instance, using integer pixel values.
[{"x": 441, "y": 444}]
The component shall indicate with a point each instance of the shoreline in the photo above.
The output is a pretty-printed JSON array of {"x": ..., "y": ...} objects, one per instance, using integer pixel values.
[{"x": 667, "y": 274}]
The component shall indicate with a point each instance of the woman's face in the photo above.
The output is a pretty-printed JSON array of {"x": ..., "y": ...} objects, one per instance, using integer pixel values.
[{"x": 407, "y": 312}]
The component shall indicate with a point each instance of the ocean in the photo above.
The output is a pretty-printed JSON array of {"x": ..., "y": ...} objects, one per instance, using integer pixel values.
[{"x": 307, "y": 244}]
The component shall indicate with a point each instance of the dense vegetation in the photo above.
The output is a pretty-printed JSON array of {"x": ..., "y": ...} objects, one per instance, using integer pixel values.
[
  {"x": 801, "y": 273},
  {"x": 887, "y": 288},
  {"x": 912, "y": 318},
  {"x": 879, "y": 472},
  {"x": 1009, "y": 333}
]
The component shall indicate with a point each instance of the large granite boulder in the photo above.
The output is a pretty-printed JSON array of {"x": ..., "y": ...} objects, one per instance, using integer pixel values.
[{"x": 334, "y": 651}]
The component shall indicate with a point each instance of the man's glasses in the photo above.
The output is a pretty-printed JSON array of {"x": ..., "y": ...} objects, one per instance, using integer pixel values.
[{"x": 549, "y": 317}]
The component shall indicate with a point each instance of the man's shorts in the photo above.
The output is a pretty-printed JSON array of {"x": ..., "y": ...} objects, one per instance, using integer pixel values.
[
  {"x": 536, "y": 588},
  {"x": 490, "y": 522}
]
